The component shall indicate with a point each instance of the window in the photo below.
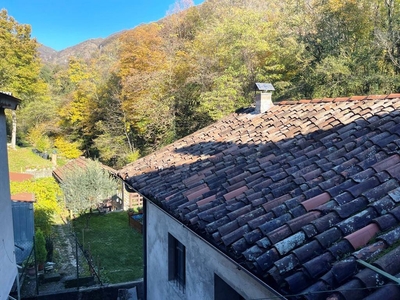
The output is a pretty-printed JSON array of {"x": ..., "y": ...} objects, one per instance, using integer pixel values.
[
  {"x": 176, "y": 261},
  {"x": 223, "y": 291}
]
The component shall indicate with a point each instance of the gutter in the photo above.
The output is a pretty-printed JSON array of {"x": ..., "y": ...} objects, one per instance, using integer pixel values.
[
  {"x": 238, "y": 266},
  {"x": 379, "y": 271}
]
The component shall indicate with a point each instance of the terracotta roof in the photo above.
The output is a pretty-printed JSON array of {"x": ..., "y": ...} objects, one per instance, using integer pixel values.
[
  {"x": 296, "y": 195},
  {"x": 23, "y": 197},
  {"x": 20, "y": 176},
  {"x": 59, "y": 172}
]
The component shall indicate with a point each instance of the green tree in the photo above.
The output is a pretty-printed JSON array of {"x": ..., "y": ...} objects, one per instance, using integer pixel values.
[
  {"x": 344, "y": 57},
  {"x": 86, "y": 187},
  {"x": 387, "y": 31},
  {"x": 242, "y": 44}
]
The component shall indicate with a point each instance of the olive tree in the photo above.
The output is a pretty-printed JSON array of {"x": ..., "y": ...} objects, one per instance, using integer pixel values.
[{"x": 86, "y": 187}]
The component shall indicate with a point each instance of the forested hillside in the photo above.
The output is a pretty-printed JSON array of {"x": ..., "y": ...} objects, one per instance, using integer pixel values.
[{"x": 161, "y": 81}]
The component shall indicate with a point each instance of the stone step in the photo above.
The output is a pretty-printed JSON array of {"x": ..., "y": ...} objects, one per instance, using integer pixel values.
[{"x": 51, "y": 277}]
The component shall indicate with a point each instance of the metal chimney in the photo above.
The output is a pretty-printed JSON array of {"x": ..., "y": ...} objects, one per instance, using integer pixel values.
[{"x": 264, "y": 97}]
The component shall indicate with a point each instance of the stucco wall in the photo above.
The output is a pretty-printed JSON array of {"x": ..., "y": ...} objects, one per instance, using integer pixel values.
[
  {"x": 202, "y": 261},
  {"x": 8, "y": 267}
]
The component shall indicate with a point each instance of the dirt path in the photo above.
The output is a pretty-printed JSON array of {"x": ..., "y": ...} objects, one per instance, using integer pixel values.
[
  {"x": 64, "y": 250},
  {"x": 65, "y": 264}
]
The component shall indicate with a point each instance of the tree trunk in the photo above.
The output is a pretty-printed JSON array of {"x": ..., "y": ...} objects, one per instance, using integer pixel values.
[{"x": 87, "y": 217}]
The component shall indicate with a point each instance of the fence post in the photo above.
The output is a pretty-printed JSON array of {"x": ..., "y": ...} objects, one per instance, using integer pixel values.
[
  {"x": 77, "y": 263},
  {"x": 36, "y": 270}
]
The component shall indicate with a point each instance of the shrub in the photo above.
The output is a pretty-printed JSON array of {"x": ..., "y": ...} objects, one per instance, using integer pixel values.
[
  {"x": 67, "y": 149},
  {"x": 47, "y": 194},
  {"x": 49, "y": 248},
  {"x": 40, "y": 244}
]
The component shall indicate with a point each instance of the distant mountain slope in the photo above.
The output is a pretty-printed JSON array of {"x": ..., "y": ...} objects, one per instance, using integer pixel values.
[
  {"x": 47, "y": 54},
  {"x": 83, "y": 50}
]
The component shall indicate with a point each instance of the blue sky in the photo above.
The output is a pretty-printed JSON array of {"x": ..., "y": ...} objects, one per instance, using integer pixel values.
[{"x": 59, "y": 24}]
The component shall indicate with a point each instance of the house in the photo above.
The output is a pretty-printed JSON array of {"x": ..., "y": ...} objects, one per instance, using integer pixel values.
[
  {"x": 23, "y": 219},
  {"x": 302, "y": 201},
  {"x": 121, "y": 200},
  {"x": 8, "y": 266}
]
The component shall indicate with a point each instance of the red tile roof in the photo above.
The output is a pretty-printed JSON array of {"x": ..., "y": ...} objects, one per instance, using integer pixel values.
[
  {"x": 296, "y": 195},
  {"x": 59, "y": 173},
  {"x": 20, "y": 176},
  {"x": 23, "y": 197}
]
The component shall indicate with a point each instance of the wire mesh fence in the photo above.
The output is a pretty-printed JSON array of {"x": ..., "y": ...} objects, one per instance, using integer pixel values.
[{"x": 73, "y": 267}]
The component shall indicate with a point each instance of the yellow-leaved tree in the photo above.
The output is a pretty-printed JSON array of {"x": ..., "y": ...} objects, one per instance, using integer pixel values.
[
  {"x": 19, "y": 64},
  {"x": 143, "y": 71}
]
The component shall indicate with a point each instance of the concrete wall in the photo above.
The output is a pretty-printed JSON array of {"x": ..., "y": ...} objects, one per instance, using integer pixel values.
[{"x": 202, "y": 262}]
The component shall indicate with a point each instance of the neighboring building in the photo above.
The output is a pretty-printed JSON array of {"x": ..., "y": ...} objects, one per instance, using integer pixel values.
[
  {"x": 8, "y": 266},
  {"x": 301, "y": 199},
  {"x": 121, "y": 200},
  {"x": 181, "y": 265},
  {"x": 23, "y": 219}
]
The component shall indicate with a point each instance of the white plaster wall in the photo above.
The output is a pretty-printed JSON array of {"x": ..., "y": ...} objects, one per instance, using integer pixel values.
[
  {"x": 8, "y": 267},
  {"x": 202, "y": 261}
]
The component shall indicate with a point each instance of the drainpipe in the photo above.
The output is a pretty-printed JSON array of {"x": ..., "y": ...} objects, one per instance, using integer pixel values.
[
  {"x": 144, "y": 233},
  {"x": 144, "y": 248}
]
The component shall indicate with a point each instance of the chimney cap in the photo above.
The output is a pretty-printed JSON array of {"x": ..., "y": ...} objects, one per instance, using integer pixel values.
[{"x": 264, "y": 87}]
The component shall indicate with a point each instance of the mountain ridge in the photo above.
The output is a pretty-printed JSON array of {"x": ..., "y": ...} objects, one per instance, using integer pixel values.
[{"x": 84, "y": 50}]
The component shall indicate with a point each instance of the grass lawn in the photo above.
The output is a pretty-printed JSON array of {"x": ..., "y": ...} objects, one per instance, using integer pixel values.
[
  {"x": 21, "y": 159},
  {"x": 119, "y": 247}
]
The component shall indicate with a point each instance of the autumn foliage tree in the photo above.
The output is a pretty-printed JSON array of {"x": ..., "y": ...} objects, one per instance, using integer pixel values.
[
  {"x": 19, "y": 63},
  {"x": 161, "y": 81},
  {"x": 142, "y": 71}
]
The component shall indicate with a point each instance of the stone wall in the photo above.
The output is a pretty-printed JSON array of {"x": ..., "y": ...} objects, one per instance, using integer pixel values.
[{"x": 109, "y": 292}]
